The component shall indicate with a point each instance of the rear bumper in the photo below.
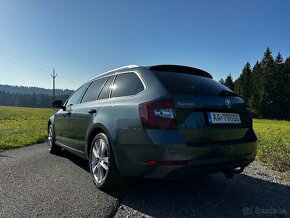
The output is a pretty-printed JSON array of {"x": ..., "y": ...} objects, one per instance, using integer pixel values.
[
  {"x": 202, "y": 158},
  {"x": 135, "y": 147}
]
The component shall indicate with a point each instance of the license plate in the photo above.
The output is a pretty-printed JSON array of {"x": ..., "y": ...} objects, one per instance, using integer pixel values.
[{"x": 223, "y": 118}]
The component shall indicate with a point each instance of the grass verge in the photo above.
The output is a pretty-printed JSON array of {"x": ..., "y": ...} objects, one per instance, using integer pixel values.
[
  {"x": 22, "y": 126},
  {"x": 273, "y": 143}
]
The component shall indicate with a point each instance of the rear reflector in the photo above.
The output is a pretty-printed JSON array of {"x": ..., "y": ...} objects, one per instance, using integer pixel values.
[
  {"x": 167, "y": 162},
  {"x": 158, "y": 115}
]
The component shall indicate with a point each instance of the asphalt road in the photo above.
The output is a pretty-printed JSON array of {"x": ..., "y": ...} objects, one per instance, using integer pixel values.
[{"x": 34, "y": 183}]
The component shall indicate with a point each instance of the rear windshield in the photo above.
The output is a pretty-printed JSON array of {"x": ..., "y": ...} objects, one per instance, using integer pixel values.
[{"x": 188, "y": 84}]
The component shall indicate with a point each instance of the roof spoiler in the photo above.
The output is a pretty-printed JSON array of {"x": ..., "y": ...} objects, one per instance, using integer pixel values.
[{"x": 180, "y": 69}]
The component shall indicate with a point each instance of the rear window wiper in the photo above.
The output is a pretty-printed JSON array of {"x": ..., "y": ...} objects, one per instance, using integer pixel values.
[{"x": 227, "y": 93}]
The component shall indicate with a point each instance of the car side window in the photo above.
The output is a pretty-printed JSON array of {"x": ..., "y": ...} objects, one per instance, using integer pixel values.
[
  {"x": 76, "y": 96},
  {"x": 127, "y": 84},
  {"x": 106, "y": 88},
  {"x": 94, "y": 90}
]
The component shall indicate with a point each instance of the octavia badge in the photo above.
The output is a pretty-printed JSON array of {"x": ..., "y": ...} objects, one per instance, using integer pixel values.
[{"x": 228, "y": 103}]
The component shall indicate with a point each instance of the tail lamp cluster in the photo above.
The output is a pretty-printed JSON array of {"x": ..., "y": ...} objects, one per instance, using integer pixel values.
[{"x": 158, "y": 115}]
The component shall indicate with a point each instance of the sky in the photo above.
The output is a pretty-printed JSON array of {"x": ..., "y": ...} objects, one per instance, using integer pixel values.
[{"x": 82, "y": 39}]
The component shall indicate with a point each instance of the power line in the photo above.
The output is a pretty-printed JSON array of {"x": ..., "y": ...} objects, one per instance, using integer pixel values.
[
  {"x": 22, "y": 64},
  {"x": 9, "y": 60},
  {"x": 25, "y": 59}
]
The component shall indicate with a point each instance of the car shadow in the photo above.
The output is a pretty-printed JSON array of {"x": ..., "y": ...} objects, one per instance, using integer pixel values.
[
  {"x": 211, "y": 196},
  {"x": 80, "y": 162},
  {"x": 207, "y": 196},
  {"x": 117, "y": 193}
]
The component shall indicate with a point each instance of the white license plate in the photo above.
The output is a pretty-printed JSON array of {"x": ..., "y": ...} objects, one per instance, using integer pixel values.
[{"x": 223, "y": 118}]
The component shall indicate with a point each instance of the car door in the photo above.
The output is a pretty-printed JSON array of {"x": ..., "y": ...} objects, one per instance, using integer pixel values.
[
  {"x": 62, "y": 117},
  {"x": 61, "y": 126},
  {"x": 83, "y": 114}
]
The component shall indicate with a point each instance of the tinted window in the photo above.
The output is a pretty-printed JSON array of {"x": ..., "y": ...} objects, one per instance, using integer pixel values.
[
  {"x": 94, "y": 90},
  {"x": 182, "y": 83},
  {"x": 106, "y": 89},
  {"x": 127, "y": 84},
  {"x": 75, "y": 98}
]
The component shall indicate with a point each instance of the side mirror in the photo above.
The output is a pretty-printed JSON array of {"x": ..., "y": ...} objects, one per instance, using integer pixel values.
[{"x": 57, "y": 104}]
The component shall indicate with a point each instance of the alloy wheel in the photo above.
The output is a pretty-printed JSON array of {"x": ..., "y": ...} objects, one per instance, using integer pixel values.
[
  {"x": 50, "y": 137},
  {"x": 100, "y": 160}
]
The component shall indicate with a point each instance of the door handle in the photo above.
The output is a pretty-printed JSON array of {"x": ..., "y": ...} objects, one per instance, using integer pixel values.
[{"x": 92, "y": 111}]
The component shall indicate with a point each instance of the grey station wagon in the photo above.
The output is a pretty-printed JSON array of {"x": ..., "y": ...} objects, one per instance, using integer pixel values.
[{"x": 164, "y": 121}]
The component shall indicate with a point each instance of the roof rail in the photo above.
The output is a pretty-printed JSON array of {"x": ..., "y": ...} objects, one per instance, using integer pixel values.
[
  {"x": 122, "y": 68},
  {"x": 116, "y": 69}
]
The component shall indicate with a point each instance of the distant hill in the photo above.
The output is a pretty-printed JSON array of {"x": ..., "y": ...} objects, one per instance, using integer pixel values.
[{"x": 33, "y": 90}]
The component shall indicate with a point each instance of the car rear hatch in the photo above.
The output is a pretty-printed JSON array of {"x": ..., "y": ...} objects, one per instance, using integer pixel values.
[{"x": 205, "y": 110}]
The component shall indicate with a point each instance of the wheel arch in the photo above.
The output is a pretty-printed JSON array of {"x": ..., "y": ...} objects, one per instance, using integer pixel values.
[
  {"x": 50, "y": 122},
  {"x": 99, "y": 128}
]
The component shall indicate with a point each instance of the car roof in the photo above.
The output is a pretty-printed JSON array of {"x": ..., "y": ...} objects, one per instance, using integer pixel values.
[{"x": 162, "y": 68}]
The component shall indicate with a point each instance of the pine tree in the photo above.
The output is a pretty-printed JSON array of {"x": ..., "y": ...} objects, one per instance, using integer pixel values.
[
  {"x": 278, "y": 87},
  {"x": 267, "y": 65},
  {"x": 222, "y": 81},
  {"x": 229, "y": 82},
  {"x": 243, "y": 85},
  {"x": 287, "y": 89},
  {"x": 255, "y": 99}
]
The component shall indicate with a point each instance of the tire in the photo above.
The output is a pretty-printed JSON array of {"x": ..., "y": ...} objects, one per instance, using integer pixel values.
[
  {"x": 52, "y": 147},
  {"x": 103, "y": 167}
]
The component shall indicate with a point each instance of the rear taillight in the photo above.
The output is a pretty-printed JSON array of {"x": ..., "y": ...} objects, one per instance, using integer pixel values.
[{"x": 158, "y": 115}]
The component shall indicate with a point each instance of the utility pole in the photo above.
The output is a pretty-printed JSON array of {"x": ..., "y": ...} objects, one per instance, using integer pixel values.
[{"x": 53, "y": 75}]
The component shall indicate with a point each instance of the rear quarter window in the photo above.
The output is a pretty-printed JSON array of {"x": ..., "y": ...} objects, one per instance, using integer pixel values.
[
  {"x": 188, "y": 84},
  {"x": 105, "y": 92},
  {"x": 127, "y": 84}
]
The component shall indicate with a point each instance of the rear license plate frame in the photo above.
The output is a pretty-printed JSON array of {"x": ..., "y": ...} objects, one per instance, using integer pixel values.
[{"x": 223, "y": 118}]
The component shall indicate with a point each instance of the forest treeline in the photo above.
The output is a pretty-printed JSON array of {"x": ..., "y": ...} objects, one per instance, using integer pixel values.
[
  {"x": 265, "y": 87},
  {"x": 21, "y": 96},
  {"x": 31, "y": 90}
]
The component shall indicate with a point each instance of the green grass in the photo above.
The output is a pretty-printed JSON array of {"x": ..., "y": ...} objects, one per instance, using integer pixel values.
[
  {"x": 22, "y": 126},
  {"x": 26, "y": 126},
  {"x": 273, "y": 143}
]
